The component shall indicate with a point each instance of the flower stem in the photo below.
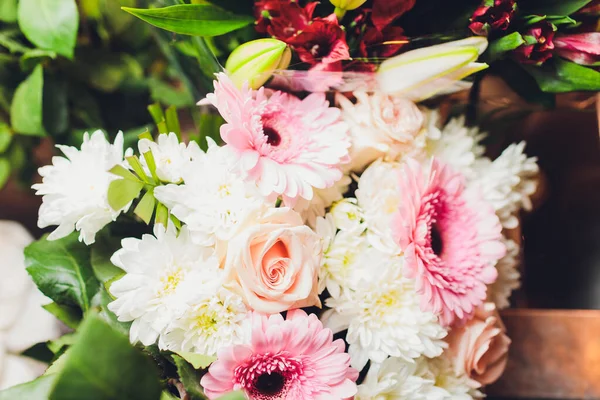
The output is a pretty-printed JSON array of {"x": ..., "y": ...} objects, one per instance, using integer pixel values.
[{"x": 339, "y": 13}]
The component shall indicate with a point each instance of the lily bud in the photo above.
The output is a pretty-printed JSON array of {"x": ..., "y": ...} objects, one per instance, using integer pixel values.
[
  {"x": 347, "y": 4},
  {"x": 422, "y": 73},
  {"x": 255, "y": 61}
]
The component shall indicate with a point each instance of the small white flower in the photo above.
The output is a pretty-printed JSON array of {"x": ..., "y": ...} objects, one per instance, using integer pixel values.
[
  {"x": 171, "y": 157},
  {"x": 508, "y": 276},
  {"x": 310, "y": 210},
  {"x": 341, "y": 263},
  {"x": 212, "y": 321},
  {"x": 379, "y": 197},
  {"x": 508, "y": 182},
  {"x": 213, "y": 200},
  {"x": 458, "y": 146},
  {"x": 75, "y": 188},
  {"x": 394, "y": 379},
  {"x": 347, "y": 215},
  {"x": 164, "y": 273},
  {"x": 448, "y": 385},
  {"x": 383, "y": 316}
]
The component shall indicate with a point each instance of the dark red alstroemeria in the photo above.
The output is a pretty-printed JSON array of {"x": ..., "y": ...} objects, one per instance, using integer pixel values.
[
  {"x": 323, "y": 41},
  {"x": 282, "y": 18},
  {"x": 541, "y": 37},
  {"x": 386, "y": 43},
  {"x": 581, "y": 48},
  {"x": 386, "y": 11},
  {"x": 493, "y": 18}
]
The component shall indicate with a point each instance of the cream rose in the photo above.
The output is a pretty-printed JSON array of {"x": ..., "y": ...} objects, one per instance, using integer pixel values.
[
  {"x": 273, "y": 261},
  {"x": 380, "y": 126},
  {"x": 480, "y": 348}
]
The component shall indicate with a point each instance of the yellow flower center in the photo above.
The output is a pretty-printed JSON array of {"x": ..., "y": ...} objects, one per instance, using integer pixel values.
[{"x": 170, "y": 281}]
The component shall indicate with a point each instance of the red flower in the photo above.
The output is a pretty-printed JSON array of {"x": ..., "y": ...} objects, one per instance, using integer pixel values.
[
  {"x": 493, "y": 18},
  {"x": 386, "y": 11},
  {"x": 541, "y": 35},
  {"x": 581, "y": 48},
  {"x": 323, "y": 41},
  {"x": 282, "y": 18},
  {"x": 386, "y": 43}
]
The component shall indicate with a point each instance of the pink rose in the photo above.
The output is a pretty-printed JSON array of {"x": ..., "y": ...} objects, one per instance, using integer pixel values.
[
  {"x": 480, "y": 348},
  {"x": 273, "y": 261}
]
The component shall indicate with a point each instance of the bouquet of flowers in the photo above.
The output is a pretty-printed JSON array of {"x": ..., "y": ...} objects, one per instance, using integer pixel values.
[{"x": 348, "y": 244}]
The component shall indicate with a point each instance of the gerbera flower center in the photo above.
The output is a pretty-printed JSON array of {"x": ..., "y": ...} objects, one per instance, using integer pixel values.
[
  {"x": 437, "y": 245},
  {"x": 273, "y": 138},
  {"x": 268, "y": 376},
  {"x": 270, "y": 384}
]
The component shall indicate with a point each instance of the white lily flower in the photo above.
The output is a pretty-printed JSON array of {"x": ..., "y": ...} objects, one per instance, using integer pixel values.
[{"x": 422, "y": 73}]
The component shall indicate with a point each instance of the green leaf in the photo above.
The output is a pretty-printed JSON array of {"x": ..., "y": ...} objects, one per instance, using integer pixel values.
[
  {"x": 50, "y": 24},
  {"x": 551, "y": 7},
  {"x": 162, "y": 214},
  {"x": 145, "y": 207},
  {"x": 233, "y": 396},
  {"x": 101, "y": 302},
  {"x": 122, "y": 191},
  {"x": 13, "y": 46},
  {"x": 4, "y": 171},
  {"x": 70, "y": 316},
  {"x": 209, "y": 126},
  {"x": 5, "y": 137},
  {"x": 102, "y": 251},
  {"x": 33, "y": 57},
  {"x": 190, "y": 378},
  {"x": 199, "y": 361},
  {"x": 151, "y": 164},
  {"x": 39, "y": 352},
  {"x": 103, "y": 365},
  {"x": 26, "y": 112},
  {"x": 156, "y": 112},
  {"x": 135, "y": 163},
  {"x": 192, "y": 19},
  {"x": 8, "y": 11},
  {"x": 65, "y": 340},
  {"x": 38, "y": 389},
  {"x": 172, "y": 121},
  {"x": 124, "y": 173},
  {"x": 505, "y": 44},
  {"x": 61, "y": 269},
  {"x": 562, "y": 76}
]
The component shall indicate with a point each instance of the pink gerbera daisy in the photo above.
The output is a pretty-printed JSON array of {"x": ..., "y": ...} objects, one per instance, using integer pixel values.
[
  {"x": 293, "y": 359},
  {"x": 451, "y": 240},
  {"x": 286, "y": 145}
]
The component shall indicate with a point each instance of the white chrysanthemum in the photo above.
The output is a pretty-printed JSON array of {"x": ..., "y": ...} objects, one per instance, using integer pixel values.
[
  {"x": 447, "y": 384},
  {"x": 164, "y": 273},
  {"x": 310, "y": 210},
  {"x": 394, "y": 379},
  {"x": 347, "y": 215},
  {"x": 344, "y": 255},
  {"x": 75, "y": 188},
  {"x": 213, "y": 199},
  {"x": 212, "y": 321},
  {"x": 383, "y": 316},
  {"x": 379, "y": 197},
  {"x": 171, "y": 156},
  {"x": 508, "y": 182},
  {"x": 509, "y": 277},
  {"x": 458, "y": 146}
]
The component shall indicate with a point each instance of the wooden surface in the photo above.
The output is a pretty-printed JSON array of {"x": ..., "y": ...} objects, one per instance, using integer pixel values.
[{"x": 555, "y": 354}]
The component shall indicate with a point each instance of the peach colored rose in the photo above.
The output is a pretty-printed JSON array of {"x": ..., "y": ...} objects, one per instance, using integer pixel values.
[
  {"x": 381, "y": 126},
  {"x": 273, "y": 261},
  {"x": 480, "y": 348}
]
